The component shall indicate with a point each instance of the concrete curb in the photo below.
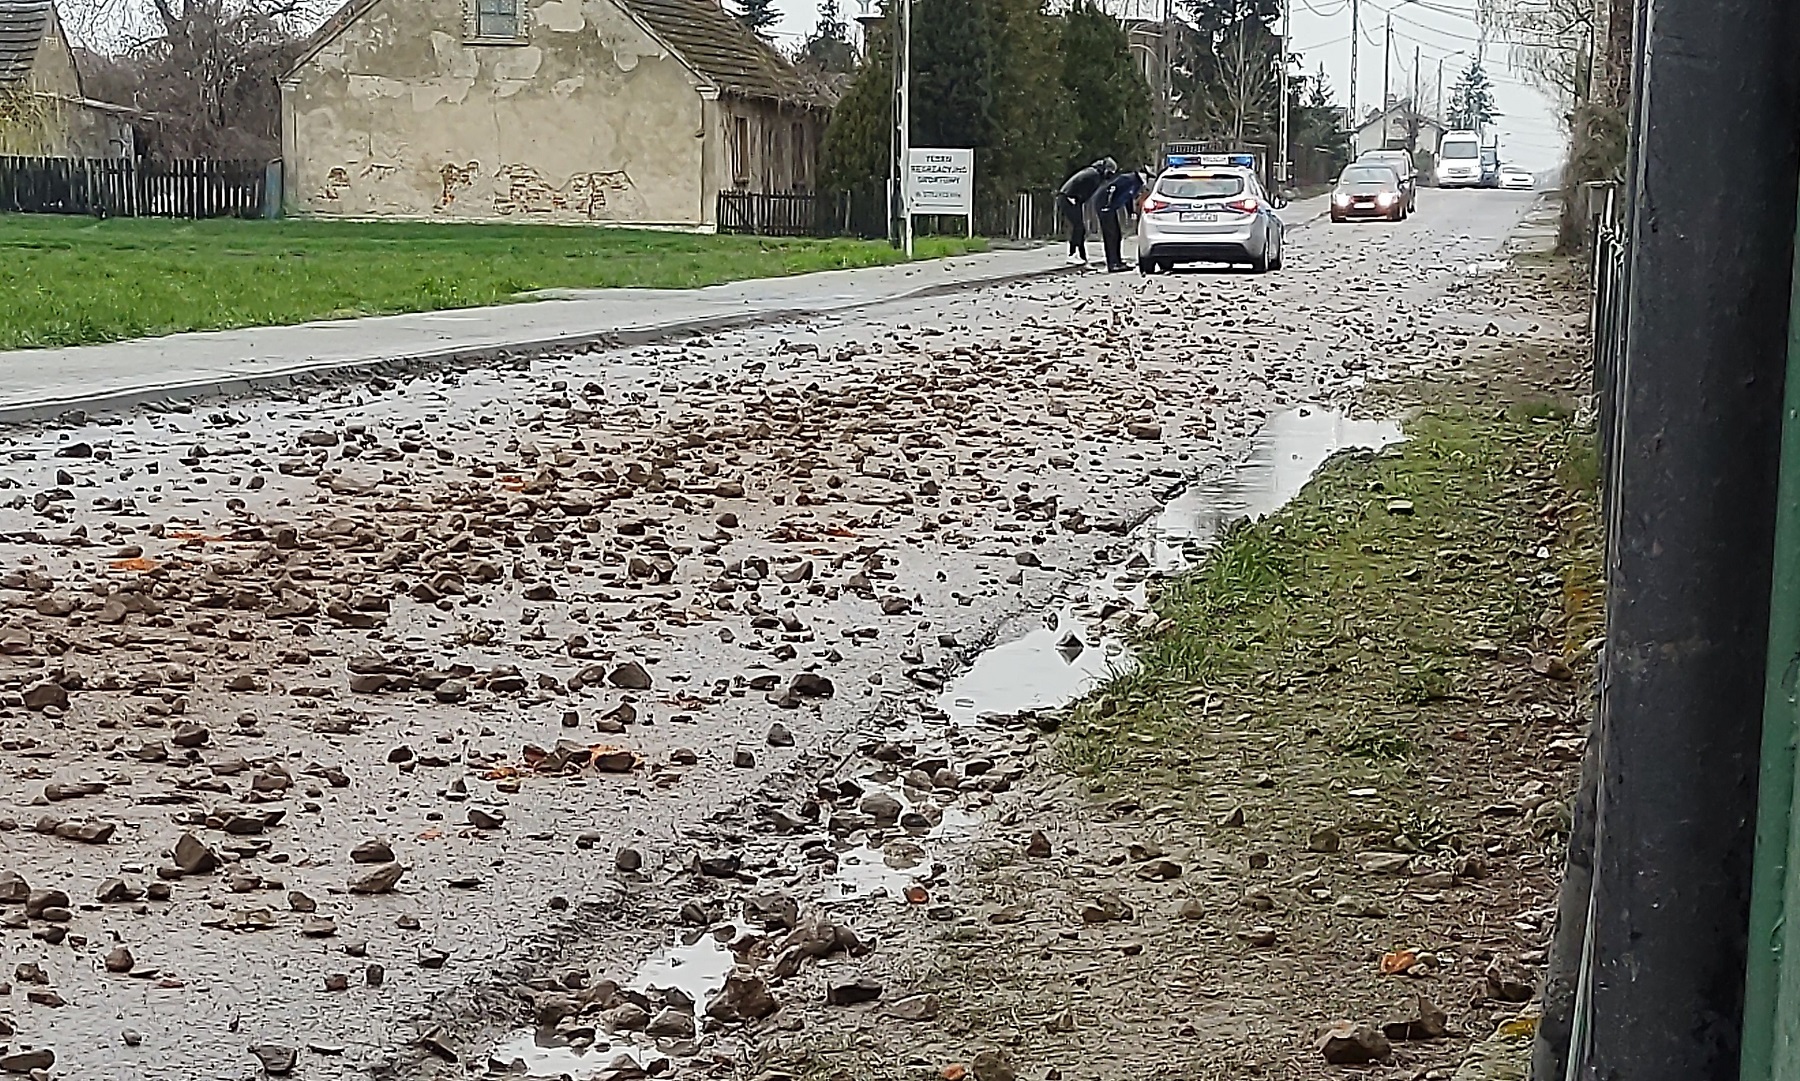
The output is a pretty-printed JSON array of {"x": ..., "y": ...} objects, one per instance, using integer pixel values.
[{"x": 29, "y": 411}]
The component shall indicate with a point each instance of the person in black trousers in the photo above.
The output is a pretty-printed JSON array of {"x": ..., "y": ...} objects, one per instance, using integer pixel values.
[
  {"x": 1074, "y": 196},
  {"x": 1118, "y": 196}
]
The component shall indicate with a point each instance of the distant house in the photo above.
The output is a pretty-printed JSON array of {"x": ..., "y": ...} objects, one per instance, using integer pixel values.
[
  {"x": 621, "y": 111},
  {"x": 43, "y": 112},
  {"x": 1390, "y": 128}
]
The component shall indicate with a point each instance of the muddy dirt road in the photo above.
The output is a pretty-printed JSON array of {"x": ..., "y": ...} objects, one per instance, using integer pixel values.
[{"x": 334, "y": 716}]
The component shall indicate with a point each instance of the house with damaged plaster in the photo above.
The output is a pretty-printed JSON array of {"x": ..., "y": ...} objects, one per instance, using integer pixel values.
[
  {"x": 43, "y": 112},
  {"x": 608, "y": 111}
]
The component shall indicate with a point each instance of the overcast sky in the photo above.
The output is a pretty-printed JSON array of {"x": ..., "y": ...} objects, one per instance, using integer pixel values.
[{"x": 1440, "y": 29}]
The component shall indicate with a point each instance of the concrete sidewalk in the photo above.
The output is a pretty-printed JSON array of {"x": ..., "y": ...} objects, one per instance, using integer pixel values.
[{"x": 38, "y": 383}]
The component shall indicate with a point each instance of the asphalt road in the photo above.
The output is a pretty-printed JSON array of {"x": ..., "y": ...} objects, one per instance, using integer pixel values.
[{"x": 287, "y": 625}]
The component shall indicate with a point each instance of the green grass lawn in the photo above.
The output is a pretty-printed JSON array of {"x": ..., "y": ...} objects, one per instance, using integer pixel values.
[{"x": 74, "y": 280}]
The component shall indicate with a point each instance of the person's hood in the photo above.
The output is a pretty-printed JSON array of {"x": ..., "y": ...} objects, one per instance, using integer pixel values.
[{"x": 1106, "y": 167}]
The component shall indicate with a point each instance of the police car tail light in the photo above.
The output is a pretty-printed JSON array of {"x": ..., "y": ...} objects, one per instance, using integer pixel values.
[
  {"x": 1246, "y": 205},
  {"x": 1156, "y": 203}
]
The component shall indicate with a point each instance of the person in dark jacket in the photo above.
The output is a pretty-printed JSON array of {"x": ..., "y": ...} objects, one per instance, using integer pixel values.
[
  {"x": 1076, "y": 192},
  {"x": 1120, "y": 195}
]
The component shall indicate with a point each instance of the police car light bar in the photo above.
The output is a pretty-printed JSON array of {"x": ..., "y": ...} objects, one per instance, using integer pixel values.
[{"x": 1244, "y": 161}]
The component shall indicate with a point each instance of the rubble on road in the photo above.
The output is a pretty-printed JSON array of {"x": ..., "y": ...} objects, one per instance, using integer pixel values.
[{"x": 402, "y": 688}]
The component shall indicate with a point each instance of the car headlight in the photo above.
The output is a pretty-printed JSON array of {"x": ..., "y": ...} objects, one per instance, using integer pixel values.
[
  {"x": 1385, "y": 198},
  {"x": 1340, "y": 198}
]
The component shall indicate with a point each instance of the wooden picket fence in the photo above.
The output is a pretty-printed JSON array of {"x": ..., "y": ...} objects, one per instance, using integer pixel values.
[{"x": 124, "y": 188}]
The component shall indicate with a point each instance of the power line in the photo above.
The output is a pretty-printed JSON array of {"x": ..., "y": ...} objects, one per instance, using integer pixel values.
[
  {"x": 1332, "y": 14},
  {"x": 1322, "y": 44},
  {"x": 1441, "y": 9},
  {"x": 1434, "y": 30},
  {"x": 1505, "y": 36}
]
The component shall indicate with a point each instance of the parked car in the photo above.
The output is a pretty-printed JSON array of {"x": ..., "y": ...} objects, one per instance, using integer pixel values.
[
  {"x": 1215, "y": 214},
  {"x": 1402, "y": 164},
  {"x": 1513, "y": 178},
  {"x": 1368, "y": 190}
]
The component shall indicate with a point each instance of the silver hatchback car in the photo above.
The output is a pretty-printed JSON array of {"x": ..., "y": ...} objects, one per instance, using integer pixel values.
[{"x": 1212, "y": 214}]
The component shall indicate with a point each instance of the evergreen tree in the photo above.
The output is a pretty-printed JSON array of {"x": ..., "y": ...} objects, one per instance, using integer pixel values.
[
  {"x": 758, "y": 15},
  {"x": 1110, "y": 97},
  {"x": 952, "y": 73},
  {"x": 859, "y": 140},
  {"x": 1028, "y": 91},
  {"x": 1035, "y": 121},
  {"x": 1471, "y": 106},
  {"x": 829, "y": 48},
  {"x": 1320, "y": 145}
]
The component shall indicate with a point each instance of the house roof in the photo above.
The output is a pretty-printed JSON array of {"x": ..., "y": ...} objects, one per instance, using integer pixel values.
[
  {"x": 723, "y": 50},
  {"x": 22, "y": 26},
  {"x": 711, "y": 41}
]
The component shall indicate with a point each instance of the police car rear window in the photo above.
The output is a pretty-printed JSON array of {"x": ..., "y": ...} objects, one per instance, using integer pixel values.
[{"x": 1222, "y": 186}]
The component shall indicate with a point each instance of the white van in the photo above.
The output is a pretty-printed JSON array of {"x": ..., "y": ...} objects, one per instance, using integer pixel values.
[{"x": 1459, "y": 160}]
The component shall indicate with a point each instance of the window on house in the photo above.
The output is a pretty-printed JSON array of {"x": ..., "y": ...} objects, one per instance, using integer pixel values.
[
  {"x": 498, "y": 20},
  {"x": 740, "y": 150}
]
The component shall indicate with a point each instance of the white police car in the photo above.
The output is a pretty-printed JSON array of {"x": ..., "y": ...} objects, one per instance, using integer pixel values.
[{"x": 1213, "y": 211}]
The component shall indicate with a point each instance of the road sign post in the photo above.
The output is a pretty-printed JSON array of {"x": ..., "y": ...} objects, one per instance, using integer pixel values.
[{"x": 941, "y": 182}]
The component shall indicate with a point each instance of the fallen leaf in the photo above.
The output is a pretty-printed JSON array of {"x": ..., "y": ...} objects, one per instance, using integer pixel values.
[
  {"x": 1393, "y": 964},
  {"x": 138, "y": 563},
  {"x": 917, "y": 895}
]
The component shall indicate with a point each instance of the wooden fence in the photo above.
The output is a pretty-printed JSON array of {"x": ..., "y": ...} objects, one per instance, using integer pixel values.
[
  {"x": 124, "y": 188},
  {"x": 822, "y": 214}
]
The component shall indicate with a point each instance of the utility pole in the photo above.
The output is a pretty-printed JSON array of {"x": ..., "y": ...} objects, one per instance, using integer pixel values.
[
  {"x": 1355, "y": 41},
  {"x": 1387, "y": 61},
  {"x": 1412, "y": 107},
  {"x": 1287, "y": 24},
  {"x": 1165, "y": 95},
  {"x": 893, "y": 184},
  {"x": 905, "y": 109}
]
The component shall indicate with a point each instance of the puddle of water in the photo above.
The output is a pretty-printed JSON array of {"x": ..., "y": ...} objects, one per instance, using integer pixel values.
[
  {"x": 865, "y": 871},
  {"x": 1042, "y": 670},
  {"x": 696, "y": 968},
  {"x": 1288, "y": 450},
  {"x": 538, "y": 1053}
]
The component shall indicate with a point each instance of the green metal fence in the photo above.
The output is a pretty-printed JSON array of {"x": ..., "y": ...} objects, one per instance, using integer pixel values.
[{"x": 1771, "y": 1033}]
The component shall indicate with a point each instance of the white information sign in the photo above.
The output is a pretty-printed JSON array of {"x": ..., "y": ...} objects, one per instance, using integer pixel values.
[{"x": 941, "y": 182}]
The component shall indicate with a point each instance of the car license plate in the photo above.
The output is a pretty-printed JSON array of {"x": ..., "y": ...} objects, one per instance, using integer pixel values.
[{"x": 1198, "y": 215}]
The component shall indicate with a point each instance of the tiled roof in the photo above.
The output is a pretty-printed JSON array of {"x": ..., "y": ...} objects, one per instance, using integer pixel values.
[
  {"x": 22, "y": 25},
  {"x": 723, "y": 50},
  {"x": 708, "y": 38}
]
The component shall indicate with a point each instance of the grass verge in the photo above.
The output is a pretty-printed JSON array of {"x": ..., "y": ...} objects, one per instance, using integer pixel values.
[
  {"x": 76, "y": 281},
  {"x": 1373, "y": 615}
]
